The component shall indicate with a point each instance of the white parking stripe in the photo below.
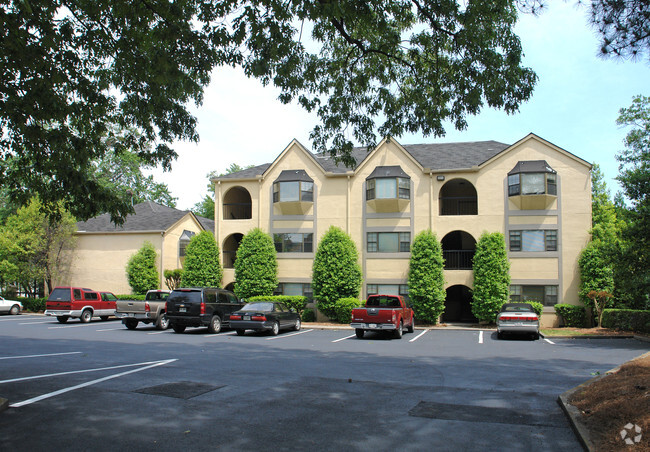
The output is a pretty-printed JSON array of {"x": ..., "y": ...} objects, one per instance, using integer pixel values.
[
  {"x": 288, "y": 335},
  {"x": 88, "y": 383},
  {"x": 71, "y": 326},
  {"x": 34, "y": 323},
  {"x": 344, "y": 338},
  {"x": 419, "y": 336},
  {"x": 158, "y": 332},
  {"x": 111, "y": 329},
  {"x": 39, "y": 356},
  {"x": 550, "y": 342},
  {"x": 219, "y": 334},
  {"x": 480, "y": 337},
  {"x": 21, "y": 317}
]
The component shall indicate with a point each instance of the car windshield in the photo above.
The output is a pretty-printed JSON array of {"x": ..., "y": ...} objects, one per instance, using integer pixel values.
[
  {"x": 516, "y": 308},
  {"x": 258, "y": 307}
]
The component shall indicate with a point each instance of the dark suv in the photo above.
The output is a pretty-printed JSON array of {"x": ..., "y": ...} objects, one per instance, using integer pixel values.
[{"x": 197, "y": 307}]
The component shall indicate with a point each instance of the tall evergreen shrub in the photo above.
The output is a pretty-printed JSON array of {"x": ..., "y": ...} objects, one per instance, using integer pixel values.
[
  {"x": 491, "y": 276},
  {"x": 141, "y": 271},
  {"x": 202, "y": 267},
  {"x": 256, "y": 266},
  {"x": 426, "y": 280}
]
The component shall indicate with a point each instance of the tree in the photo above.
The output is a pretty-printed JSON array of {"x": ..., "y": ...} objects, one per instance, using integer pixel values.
[
  {"x": 426, "y": 279},
  {"x": 336, "y": 272},
  {"x": 596, "y": 271},
  {"x": 173, "y": 278},
  {"x": 491, "y": 276},
  {"x": 623, "y": 25},
  {"x": 141, "y": 270},
  {"x": 256, "y": 266},
  {"x": 34, "y": 248},
  {"x": 600, "y": 299},
  {"x": 74, "y": 71},
  {"x": 202, "y": 267}
]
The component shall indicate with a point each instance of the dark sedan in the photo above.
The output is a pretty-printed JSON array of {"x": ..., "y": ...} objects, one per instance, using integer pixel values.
[{"x": 264, "y": 316}]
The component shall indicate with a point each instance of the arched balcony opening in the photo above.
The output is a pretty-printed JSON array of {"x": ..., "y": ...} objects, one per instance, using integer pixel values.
[
  {"x": 230, "y": 246},
  {"x": 458, "y": 248},
  {"x": 237, "y": 204},
  {"x": 458, "y": 197}
]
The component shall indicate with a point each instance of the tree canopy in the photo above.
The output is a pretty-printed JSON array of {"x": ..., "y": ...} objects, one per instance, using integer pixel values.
[
  {"x": 72, "y": 72},
  {"x": 256, "y": 266}
]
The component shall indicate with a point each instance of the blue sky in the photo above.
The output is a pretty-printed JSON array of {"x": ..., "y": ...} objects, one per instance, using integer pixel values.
[{"x": 575, "y": 105}]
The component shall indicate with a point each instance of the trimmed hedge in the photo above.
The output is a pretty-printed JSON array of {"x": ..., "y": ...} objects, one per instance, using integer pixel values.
[
  {"x": 572, "y": 315},
  {"x": 537, "y": 307},
  {"x": 139, "y": 297},
  {"x": 343, "y": 309},
  {"x": 309, "y": 315},
  {"x": 298, "y": 302},
  {"x": 627, "y": 320},
  {"x": 32, "y": 304}
]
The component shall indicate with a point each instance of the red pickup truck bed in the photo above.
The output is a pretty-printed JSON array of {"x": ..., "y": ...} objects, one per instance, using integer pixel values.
[{"x": 383, "y": 313}]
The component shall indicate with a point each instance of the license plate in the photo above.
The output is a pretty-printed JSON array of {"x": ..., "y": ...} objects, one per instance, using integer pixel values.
[
  {"x": 182, "y": 310},
  {"x": 373, "y": 325},
  {"x": 247, "y": 317},
  {"x": 131, "y": 314}
]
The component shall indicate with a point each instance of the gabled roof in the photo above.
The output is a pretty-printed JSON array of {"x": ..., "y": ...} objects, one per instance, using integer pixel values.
[
  {"x": 148, "y": 216},
  {"x": 434, "y": 156}
]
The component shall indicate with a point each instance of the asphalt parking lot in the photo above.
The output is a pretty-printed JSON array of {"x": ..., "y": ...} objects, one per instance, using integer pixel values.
[{"x": 100, "y": 386}]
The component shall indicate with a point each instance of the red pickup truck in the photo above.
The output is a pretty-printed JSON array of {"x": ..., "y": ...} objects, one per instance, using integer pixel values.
[
  {"x": 77, "y": 302},
  {"x": 383, "y": 313}
]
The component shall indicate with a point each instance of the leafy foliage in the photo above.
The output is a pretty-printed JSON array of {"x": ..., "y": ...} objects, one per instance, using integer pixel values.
[
  {"x": 297, "y": 302},
  {"x": 623, "y": 25},
  {"x": 343, "y": 309},
  {"x": 76, "y": 71},
  {"x": 573, "y": 316},
  {"x": 491, "y": 276},
  {"x": 537, "y": 307},
  {"x": 202, "y": 267},
  {"x": 336, "y": 272},
  {"x": 256, "y": 267},
  {"x": 596, "y": 272},
  {"x": 141, "y": 270},
  {"x": 600, "y": 299},
  {"x": 627, "y": 319},
  {"x": 173, "y": 278},
  {"x": 426, "y": 278}
]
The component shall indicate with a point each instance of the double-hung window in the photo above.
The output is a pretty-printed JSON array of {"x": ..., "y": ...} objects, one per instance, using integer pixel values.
[
  {"x": 389, "y": 242},
  {"x": 293, "y": 243},
  {"x": 547, "y": 295},
  {"x": 533, "y": 240}
]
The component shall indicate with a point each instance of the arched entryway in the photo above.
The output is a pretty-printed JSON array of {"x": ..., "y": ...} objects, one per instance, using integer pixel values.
[
  {"x": 458, "y": 248},
  {"x": 230, "y": 287},
  {"x": 458, "y": 306},
  {"x": 230, "y": 246}
]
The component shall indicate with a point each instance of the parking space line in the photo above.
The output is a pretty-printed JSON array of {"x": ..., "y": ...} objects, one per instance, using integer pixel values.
[
  {"x": 40, "y": 356},
  {"x": 288, "y": 335},
  {"x": 34, "y": 323},
  {"x": 71, "y": 326},
  {"x": 550, "y": 342},
  {"x": 21, "y": 317},
  {"x": 419, "y": 336},
  {"x": 218, "y": 334},
  {"x": 344, "y": 338},
  {"x": 158, "y": 332},
  {"x": 110, "y": 329},
  {"x": 88, "y": 383},
  {"x": 480, "y": 337}
]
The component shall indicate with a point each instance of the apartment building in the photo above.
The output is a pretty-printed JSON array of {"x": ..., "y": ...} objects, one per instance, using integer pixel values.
[{"x": 534, "y": 192}]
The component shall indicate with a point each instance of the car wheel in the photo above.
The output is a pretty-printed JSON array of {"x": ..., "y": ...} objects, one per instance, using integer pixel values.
[
  {"x": 86, "y": 315},
  {"x": 297, "y": 326},
  {"x": 131, "y": 324},
  {"x": 62, "y": 318},
  {"x": 275, "y": 329},
  {"x": 359, "y": 332},
  {"x": 15, "y": 309},
  {"x": 178, "y": 328},
  {"x": 411, "y": 327},
  {"x": 399, "y": 331},
  {"x": 215, "y": 324},
  {"x": 103, "y": 317},
  {"x": 535, "y": 336},
  {"x": 162, "y": 322},
  {"x": 240, "y": 332}
]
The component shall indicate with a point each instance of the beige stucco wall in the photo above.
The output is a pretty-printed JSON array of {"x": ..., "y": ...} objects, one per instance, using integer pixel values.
[
  {"x": 99, "y": 260},
  {"x": 339, "y": 200}
]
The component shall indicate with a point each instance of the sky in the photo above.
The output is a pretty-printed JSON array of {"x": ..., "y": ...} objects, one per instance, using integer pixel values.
[{"x": 575, "y": 105}]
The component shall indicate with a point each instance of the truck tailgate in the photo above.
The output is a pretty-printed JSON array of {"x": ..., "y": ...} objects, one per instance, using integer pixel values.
[
  {"x": 130, "y": 306},
  {"x": 373, "y": 315}
]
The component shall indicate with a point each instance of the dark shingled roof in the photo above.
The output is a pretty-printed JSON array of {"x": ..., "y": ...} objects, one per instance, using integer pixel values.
[
  {"x": 149, "y": 216},
  {"x": 436, "y": 156}
]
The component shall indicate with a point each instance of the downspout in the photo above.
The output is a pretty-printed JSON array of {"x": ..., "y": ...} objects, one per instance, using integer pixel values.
[{"x": 162, "y": 261}]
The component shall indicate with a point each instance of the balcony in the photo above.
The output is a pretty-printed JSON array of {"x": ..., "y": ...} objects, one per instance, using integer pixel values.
[{"x": 458, "y": 259}]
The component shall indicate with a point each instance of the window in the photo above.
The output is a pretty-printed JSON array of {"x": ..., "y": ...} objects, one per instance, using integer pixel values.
[
  {"x": 183, "y": 241},
  {"x": 513, "y": 184},
  {"x": 388, "y": 188},
  {"x": 300, "y": 289},
  {"x": 388, "y": 289},
  {"x": 547, "y": 295},
  {"x": 293, "y": 243},
  {"x": 532, "y": 178},
  {"x": 293, "y": 191},
  {"x": 389, "y": 242},
  {"x": 534, "y": 240}
]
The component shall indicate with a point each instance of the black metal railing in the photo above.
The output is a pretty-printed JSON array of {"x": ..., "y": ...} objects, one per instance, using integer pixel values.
[
  {"x": 237, "y": 211},
  {"x": 459, "y": 205},
  {"x": 458, "y": 259}
]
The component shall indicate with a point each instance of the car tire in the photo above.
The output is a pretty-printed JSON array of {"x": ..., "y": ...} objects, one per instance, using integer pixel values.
[
  {"x": 62, "y": 318},
  {"x": 162, "y": 322},
  {"x": 215, "y": 324},
  {"x": 86, "y": 316},
  {"x": 103, "y": 317},
  {"x": 131, "y": 324},
  {"x": 240, "y": 332},
  {"x": 535, "y": 336},
  {"x": 15, "y": 310},
  {"x": 359, "y": 332},
  {"x": 399, "y": 331},
  {"x": 297, "y": 326},
  {"x": 411, "y": 327},
  {"x": 275, "y": 329},
  {"x": 178, "y": 328}
]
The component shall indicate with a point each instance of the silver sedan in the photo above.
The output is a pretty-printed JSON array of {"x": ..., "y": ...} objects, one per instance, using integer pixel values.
[{"x": 517, "y": 318}]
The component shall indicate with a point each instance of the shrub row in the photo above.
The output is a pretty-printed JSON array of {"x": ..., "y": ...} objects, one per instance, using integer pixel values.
[
  {"x": 32, "y": 304},
  {"x": 537, "y": 307},
  {"x": 131, "y": 297},
  {"x": 572, "y": 315},
  {"x": 297, "y": 302},
  {"x": 343, "y": 309},
  {"x": 627, "y": 320}
]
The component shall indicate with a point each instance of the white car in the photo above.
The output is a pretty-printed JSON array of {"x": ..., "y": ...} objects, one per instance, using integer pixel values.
[
  {"x": 10, "y": 306},
  {"x": 517, "y": 318}
]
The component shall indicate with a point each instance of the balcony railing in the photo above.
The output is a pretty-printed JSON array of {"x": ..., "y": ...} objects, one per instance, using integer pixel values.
[
  {"x": 237, "y": 211},
  {"x": 458, "y": 205},
  {"x": 458, "y": 259}
]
